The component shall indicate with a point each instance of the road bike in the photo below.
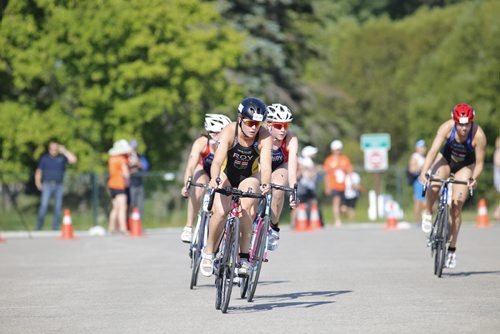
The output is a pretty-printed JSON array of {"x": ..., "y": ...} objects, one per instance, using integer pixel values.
[
  {"x": 200, "y": 233},
  {"x": 227, "y": 255},
  {"x": 439, "y": 237},
  {"x": 259, "y": 241}
]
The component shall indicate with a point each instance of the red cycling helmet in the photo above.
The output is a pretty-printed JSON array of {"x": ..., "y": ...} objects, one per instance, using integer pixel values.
[{"x": 463, "y": 113}]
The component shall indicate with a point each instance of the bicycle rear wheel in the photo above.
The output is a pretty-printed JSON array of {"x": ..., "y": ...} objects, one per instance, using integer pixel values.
[
  {"x": 229, "y": 260},
  {"x": 198, "y": 245},
  {"x": 243, "y": 286},
  {"x": 257, "y": 258}
]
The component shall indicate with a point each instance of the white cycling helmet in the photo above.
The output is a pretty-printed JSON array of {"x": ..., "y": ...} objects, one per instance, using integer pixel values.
[
  {"x": 216, "y": 122},
  {"x": 279, "y": 113}
]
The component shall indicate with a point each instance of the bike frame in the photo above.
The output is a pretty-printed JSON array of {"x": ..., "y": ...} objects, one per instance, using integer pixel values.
[
  {"x": 439, "y": 237},
  {"x": 229, "y": 246}
]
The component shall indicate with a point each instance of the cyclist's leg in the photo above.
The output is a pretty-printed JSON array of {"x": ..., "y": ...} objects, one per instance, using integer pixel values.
[
  {"x": 439, "y": 169},
  {"x": 279, "y": 177},
  {"x": 459, "y": 196},
  {"x": 248, "y": 212},
  {"x": 195, "y": 194},
  {"x": 220, "y": 209}
]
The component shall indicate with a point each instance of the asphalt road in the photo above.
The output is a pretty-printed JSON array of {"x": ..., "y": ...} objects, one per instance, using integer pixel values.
[{"x": 360, "y": 279}]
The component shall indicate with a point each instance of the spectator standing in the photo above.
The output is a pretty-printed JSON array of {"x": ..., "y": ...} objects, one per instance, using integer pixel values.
[
  {"x": 351, "y": 194},
  {"x": 49, "y": 179},
  {"x": 336, "y": 166},
  {"x": 496, "y": 176},
  {"x": 119, "y": 175},
  {"x": 308, "y": 179},
  {"x": 138, "y": 164},
  {"x": 415, "y": 164}
]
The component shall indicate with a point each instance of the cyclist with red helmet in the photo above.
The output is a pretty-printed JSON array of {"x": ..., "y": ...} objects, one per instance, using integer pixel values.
[
  {"x": 198, "y": 167},
  {"x": 462, "y": 154},
  {"x": 242, "y": 160},
  {"x": 284, "y": 164}
]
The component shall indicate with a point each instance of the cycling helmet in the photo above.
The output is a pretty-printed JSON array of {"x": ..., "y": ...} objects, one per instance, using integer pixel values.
[
  {"x": 462, "y": 113},
  {"x": 253, "y": 109},
  {"x": 279, "y": 113},
  {"x": 216, "y": 122}
]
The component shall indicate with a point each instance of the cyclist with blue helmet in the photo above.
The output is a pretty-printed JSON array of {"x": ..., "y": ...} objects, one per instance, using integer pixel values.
[{"x": 242, "y": 160}]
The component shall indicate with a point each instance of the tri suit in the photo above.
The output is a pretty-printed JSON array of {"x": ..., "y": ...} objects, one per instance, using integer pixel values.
[
  {"x": 241, "y": 162},
  {"x": 459, "y": 155},
  {"x": 207, "y": 158},
  {"x": 280, "y": 155}
]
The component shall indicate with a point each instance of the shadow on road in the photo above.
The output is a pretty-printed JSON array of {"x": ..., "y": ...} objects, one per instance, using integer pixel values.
[
  {"x": 284, "y": 300},
  {"x": 472, "y": 273},
  {"x": 235, "y": 286}
]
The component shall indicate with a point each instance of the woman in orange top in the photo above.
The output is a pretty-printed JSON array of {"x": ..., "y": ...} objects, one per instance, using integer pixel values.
[
  {"x": 336, "y": 166},
  {"x": 117, "y": 183}
]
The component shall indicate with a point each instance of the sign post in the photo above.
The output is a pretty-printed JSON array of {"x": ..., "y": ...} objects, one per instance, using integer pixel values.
[{"x": 375, "y": 147}]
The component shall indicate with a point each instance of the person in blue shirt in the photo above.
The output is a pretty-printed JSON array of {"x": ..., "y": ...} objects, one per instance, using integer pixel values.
[
  {"x": 49, "y": 177},
  {"x": 138, "y": 165}
]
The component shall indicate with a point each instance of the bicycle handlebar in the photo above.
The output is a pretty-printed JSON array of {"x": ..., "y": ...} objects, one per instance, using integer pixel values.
[
  {"x": 441, "y": 180},
  {"x": 190, "y": 183},
  {"x": 230, "y": 191},
  {"x": 287, "y": 189}
]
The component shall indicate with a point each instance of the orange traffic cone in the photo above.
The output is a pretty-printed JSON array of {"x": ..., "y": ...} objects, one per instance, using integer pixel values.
[
  {"x": 301, "y": 222},
  {"x": 135, "y": 224},
  {"x": 315, "y": 222},
  {"x": 67, "y": 226},
  {"x": 392, "y": 220},
  {"x": 482, "y": 214},
  {"x": 2, "y": 239}
]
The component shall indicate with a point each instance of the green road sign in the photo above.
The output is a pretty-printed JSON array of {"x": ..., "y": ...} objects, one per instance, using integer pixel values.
[{"x": 375, "y": 140}]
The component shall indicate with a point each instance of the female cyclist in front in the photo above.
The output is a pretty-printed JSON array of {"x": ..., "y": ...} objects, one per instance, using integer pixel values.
[
  {"x": 198, "y": 167},
  {"x": 284, "y": 164},
  {"x": 461, "y": 154},
  {"x": 235, "y": 164}
]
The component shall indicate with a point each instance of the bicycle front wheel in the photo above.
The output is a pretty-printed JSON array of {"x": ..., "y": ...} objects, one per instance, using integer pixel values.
[
  {"x": 229, "y": 260},
  {"x": 257, "y": 259},
  {"x": 198, "y": 246},
  {"x": 440, "y": 254}
]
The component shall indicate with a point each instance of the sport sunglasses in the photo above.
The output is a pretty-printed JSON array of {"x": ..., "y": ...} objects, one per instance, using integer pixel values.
[
  {"x": 279, "y": 126},
  {"x": 250, "y": 123}
]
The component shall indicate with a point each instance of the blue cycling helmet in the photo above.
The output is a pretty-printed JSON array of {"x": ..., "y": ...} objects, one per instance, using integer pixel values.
[{"x": 253, "y": 108}]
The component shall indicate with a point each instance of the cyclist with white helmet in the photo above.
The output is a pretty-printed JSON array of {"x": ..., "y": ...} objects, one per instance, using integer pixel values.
[
  {"x": 284, "y": 163},
  {"x": 462, "y": 154},
  {"x": 198, "y": 167},
  {"x": 244, "y": 147}
]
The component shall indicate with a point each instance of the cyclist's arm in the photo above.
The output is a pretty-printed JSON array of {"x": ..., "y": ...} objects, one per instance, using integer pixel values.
[
  {"x": 266, "y": 146},
  {"x": 441, "y": 135},
  {"x": 293, "y": 148},
  {"x": 479, "y": 148},
  {"x": 225, "y": 142},
  {"x": 194, "y": 157}
]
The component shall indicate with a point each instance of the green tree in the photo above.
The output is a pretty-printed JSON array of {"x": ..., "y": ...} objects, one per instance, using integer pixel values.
[{"x": 90, "y": 72}]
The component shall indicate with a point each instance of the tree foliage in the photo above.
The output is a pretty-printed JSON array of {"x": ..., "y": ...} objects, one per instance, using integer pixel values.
[
  {"x": 90, "y": 72},
  {"x": 399, "y": 76}
]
